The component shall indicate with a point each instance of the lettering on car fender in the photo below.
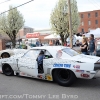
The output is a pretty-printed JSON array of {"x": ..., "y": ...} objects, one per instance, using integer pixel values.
[
  {"x": 57, "y": 61},
  {"x": 81, "y": 71},
  {"x": 77, "y": 66},
  {"x": 62, "y": 65}
]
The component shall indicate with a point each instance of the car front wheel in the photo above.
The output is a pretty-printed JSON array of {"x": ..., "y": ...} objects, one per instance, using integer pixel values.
[
  {"x": 7, "y": 70},
  {"x": 64, "y": 77}
]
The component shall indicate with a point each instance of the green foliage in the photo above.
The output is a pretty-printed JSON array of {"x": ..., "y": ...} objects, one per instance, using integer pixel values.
[
  {"x": 59, "y": 19},
  {"x": 11, "y": 23}
]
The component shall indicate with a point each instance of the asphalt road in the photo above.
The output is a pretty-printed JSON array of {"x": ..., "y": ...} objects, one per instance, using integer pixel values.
[{"x": 21, "y": 88}]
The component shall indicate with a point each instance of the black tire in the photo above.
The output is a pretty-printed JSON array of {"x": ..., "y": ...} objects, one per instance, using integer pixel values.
[
  {"x": 64, "y": 77},
  {"x": 5, "y": 55},
  {"x": 7, "y": 70}
]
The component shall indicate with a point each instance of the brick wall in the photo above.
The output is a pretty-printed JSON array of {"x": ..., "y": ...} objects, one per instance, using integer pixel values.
[{"x": 89, "y": 16}]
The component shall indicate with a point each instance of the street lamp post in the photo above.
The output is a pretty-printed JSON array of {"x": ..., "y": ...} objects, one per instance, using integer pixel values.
[{"x": 70, "y": 24}]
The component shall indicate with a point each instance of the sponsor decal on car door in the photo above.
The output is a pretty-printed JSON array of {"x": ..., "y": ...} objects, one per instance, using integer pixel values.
[{"x": 28, "y": 63}]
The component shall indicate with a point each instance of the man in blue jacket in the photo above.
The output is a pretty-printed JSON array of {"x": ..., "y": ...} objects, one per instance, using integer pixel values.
[
  {"x": 40, "y": 61},
  {"x": 91, "y": 46}
]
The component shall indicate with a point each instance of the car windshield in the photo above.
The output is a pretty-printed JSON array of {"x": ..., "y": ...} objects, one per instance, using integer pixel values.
[{"x": 70, "y": 52}]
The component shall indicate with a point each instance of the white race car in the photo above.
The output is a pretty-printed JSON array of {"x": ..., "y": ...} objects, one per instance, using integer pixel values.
[
  {"x": 61, "y": 64},
  {"x": 9, "y": 52}
]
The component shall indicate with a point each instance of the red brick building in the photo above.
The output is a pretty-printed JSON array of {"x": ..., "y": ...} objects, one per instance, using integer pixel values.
[
  {"x": 24, "y": 31},
  {"x": 89, "y": 21},
  {"x": 3, "y": 39}
]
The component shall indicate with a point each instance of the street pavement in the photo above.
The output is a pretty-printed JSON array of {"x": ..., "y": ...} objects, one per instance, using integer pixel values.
[{"x": 22, "y": 88}]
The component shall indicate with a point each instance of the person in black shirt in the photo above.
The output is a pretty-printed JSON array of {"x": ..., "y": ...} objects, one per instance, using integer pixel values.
[{"x": 84, "y": 46}]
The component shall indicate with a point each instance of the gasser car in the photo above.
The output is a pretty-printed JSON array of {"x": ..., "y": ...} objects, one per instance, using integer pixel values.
[
  {"x": 61, "y": 64},
  {"x": 9, "y": 52}
]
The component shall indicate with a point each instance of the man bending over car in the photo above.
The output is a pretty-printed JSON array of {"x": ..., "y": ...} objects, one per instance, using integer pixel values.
[{"x": 40, "y": 61}]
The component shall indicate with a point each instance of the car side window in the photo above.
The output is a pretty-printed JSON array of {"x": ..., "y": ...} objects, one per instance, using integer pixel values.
[
  {"x": 48, "y": 55},
  {"x": 30, "y": 54}
]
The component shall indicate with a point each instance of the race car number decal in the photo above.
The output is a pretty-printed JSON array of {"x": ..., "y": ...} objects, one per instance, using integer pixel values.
[{"x": 62, "y": 65}]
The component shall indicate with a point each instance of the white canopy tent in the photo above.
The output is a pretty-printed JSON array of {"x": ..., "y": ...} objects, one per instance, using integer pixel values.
[
  {"x": 52, "y": 36},
  {"x": 78, "y": 38},
  {"x": 96, "y": 33},
  {"x": 75, "y": 38}
]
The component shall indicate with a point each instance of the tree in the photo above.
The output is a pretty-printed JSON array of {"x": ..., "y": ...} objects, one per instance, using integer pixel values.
[
  {"x": 11, "y": 23},
  {"x": 59, "y": 19}
]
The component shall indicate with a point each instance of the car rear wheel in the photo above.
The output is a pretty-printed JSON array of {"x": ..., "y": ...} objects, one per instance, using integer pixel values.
[
  {"x": 64, "y": 77},
  {"x": 5, "y": 55},
  {"x": 7, "y": 70}
]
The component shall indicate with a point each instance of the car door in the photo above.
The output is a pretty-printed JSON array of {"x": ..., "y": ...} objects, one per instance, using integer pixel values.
[{"x": 28, "y": 64}]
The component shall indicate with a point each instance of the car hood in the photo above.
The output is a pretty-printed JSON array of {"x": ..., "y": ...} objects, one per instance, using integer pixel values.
[{"x": 85, "y": 58}]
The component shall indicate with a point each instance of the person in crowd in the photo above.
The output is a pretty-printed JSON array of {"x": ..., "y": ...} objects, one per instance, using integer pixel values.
[
  {"x": 65, "y": 43},
  {"x": 54, "y": 42},
  {"x": 92, "y": 45},
  {"x": 50, "y": 43},
  {"x": 26, "y": 44},
  {"x": 77, "y": 43},
  {"x": 60, "y": 42},
  {"x": 57, "y": 42},
  {"x": 84, "y": 46},
  {"x": 88, "y": 40},
  {"x": 83, "y": 36},
  {"x": 37, "y": 43},
  {"x": 41, "y": 44}
]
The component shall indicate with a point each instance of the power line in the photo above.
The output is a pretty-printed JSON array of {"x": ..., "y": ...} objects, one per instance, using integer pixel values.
[
  {"x": 4, "y": 1},
  {"x": 17, "y": 6},
  {"x": 94, "y": 4}
]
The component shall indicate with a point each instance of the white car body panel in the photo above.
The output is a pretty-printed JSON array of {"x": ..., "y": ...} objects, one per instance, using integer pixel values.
[
  {"x": 50, "y": 64},
  {"x": 28, "y": 66}
]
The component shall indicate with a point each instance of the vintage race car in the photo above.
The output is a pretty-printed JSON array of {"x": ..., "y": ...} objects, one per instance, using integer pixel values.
[
  {"x": 9, "y": 52},
  {"x": 61, "y": 64}
]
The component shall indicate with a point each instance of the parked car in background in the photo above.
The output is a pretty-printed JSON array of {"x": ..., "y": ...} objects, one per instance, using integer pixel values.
[
  {"x": 9, "y": 52},
  {"x": 98, "y": 48}
]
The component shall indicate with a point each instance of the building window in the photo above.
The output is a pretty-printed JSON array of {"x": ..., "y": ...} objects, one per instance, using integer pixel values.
[
  {"x": 89, "y": 30},
  {"x": 82, "y": 30},
  {"x": 96, "y": 21},
  {"x": 96, "y": 14},
  {"x": 82, "y": 23},
  {"x": 81, "y": 15},
  {"x": 88, "y": 15},
  {"x": 89, "y": 22}
]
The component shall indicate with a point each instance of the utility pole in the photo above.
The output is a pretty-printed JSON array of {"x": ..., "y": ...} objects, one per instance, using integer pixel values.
[{"x": 70, "y": 24}]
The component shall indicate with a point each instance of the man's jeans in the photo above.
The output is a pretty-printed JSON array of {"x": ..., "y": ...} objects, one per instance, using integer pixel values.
[
  {"x": 92, "y": 54},
  {"x": 84, "y": 53}
]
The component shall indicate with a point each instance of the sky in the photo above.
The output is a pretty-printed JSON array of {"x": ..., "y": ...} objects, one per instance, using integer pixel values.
[{"x": 37, "y": 13}]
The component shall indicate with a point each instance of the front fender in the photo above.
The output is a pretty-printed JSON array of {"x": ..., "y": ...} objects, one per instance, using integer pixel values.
[{"x": 12, "y": 63}]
